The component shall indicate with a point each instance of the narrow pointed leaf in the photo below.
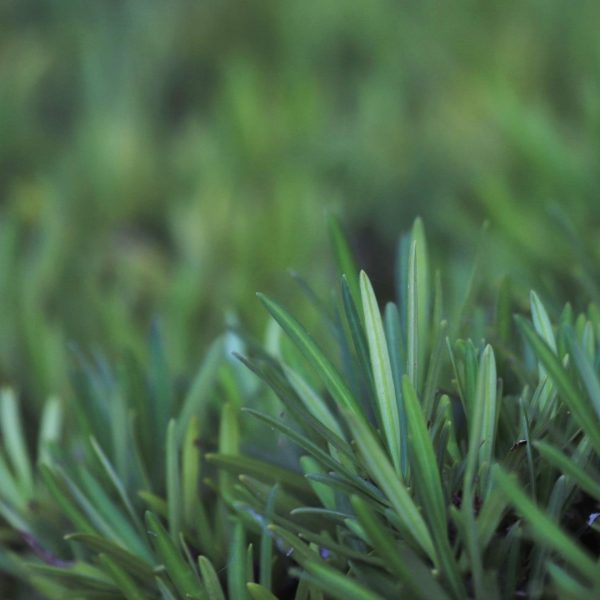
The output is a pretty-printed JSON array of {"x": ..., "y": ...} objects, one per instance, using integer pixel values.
[
  {"x": 314, "y": 355},
  {"x": 382, "y": 371}
]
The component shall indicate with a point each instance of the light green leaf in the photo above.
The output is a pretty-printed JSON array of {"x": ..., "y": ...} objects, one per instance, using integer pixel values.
[
  {"x": 258, "y": 592},
  {"x": 14, "y": 441},
  {"x": 210, "y": 579},
  {"x": 382, "y": 371},
  {"x": 312, "y": 401},
  {"x": 483, "y": 424}
]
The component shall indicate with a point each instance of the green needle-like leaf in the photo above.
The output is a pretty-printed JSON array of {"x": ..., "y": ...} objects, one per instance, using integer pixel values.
[
  {"x": 210, "y": 579},
  {"x": 173, "y": 481},
  {"x": 124, "y": 582},
  {"x": 345, "y": 259},
  {"x": 484, "y": 420},
  {"x": 568, "y": 467},
  {"x": 236, "y": 573},
  {"x": 582, "y": 411},
  {"x": 382, "y": 371},
  {"x": 403, "y": 563},
  {"x": 177, "y": 568},
  {"x": 133, "y": 563},
  {"x": 314, "y": 355},
  {"x": 336, "y": 584},
  {"x": 388, "y": 480},
  {"x": 429, "y": 482},
  {"x": 258, "y": 592},
  {"x": 14, "y": 441}
]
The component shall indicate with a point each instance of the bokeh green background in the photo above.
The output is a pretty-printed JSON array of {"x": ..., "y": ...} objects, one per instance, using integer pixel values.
[{"x": 171, "y": 158}]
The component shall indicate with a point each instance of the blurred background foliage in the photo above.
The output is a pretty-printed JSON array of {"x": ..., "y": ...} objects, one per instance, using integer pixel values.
[{"x": 171, "y": 158}]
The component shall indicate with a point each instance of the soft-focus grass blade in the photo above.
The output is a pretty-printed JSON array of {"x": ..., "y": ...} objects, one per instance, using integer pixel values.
[
  {"x": 194, "y": 512},
  {"x": 78, "y": 574},
  {"x": 179, "y": 571},
  {"x": 155, "y": 503},
  {"x": 129, "y": 588},
  {"x": 250, "y": 564},
  {"x": 104, "y": 513},
  {"x": 210, "y": 579},
  {"x": 489, "y": 517},
  {"x": 116, "y": 482},
  {"x": 313, "y": 402},
  {"x": 229, "y": 445},
  {"x": 384, "y": 474},
  {"x": 161, "y": 386},
  {"x": 566, "y": 585},
  {"x": 382, "y": 371},
  {"x": 302, "y": 552},
  {"x": 236, "y": 571},
  {"x": 134, "y": 564},
  {"x": 345, "y": 260},
  {"x": 586, "y": 371},
  {"x": 190, "y": 472},
  {"x": 524, "y": 418},
  {"x": 10, "y": 489},
  {"x": 50, "y": 428},
  {"x": 541, "y": 321},
  {"x": 325, "y": 493},
  {"x": 173, "y": 481},
  {"x": 14, "y": 441},
  {"x": 261, "y": 470},
  {"x": 544, "y": 528},
  {"x": 258, "y": 592},
  {"x": 568, "y": 467},
  {"x": 165, "y": 590},
  {"x": 266, "y": 544},
  {"x": 64, "y": 501},
  {"x": 201, "y": 388},
  {"x": 314, "y": 355}
]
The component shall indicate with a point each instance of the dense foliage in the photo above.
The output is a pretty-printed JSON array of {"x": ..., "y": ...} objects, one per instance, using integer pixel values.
[
  {"x": 159, "y": 162},
  {"x": 408, "y": 452}
]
